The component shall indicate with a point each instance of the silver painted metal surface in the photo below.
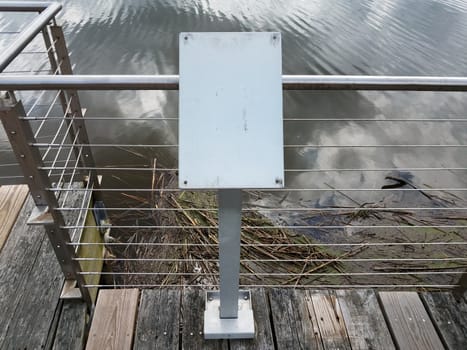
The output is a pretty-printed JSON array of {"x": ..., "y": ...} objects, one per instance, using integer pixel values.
[
  {"x": 90, "y": 82},
  {"x": 367, "y": 82},
  {"x": 20, "y": 135},
  {"x": 301, "y": 82},
  {"x": 76, "y": 114},
  {"x": 289, "y": 82},
  {"x": 25, "y": 37},
  {"x": 40, "y": 216},
  {"x": 242, "y": 327},
  {"x": 230, "y": 106},
  {"x": 230, "y": 219},
  {"x": 25, "y": 6}
]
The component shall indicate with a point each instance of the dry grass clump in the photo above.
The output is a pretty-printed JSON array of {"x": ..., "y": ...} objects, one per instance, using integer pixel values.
[{"x": 188, "y": 255}]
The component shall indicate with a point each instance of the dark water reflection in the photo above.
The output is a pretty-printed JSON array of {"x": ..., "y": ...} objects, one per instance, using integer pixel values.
[{"x": 399, "y": 37}]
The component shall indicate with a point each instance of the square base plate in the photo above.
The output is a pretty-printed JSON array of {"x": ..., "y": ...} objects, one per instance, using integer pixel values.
[{"x": 242, "y": 327}]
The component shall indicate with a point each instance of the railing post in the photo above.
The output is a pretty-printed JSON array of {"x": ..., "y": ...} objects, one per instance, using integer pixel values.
[
  {"x": 21, "y": 137},
  {"x": 74, "y": 113},
  {"x": 54, "y": 64}
]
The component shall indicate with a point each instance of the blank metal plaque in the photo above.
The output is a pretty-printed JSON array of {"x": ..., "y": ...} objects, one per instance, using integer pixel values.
[{"x": 230, "y": 127}]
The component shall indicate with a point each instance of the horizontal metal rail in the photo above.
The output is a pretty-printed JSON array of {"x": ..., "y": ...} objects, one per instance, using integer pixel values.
[
  {"x": 275, "y": 227},
  {"x": 25, "y": 6},
  {"x": 286, "y": 119},
  {"x": 59, "y": 145},
  {"x": 48, "y": 10},
  {"x": 314, "y": 286},
  {"x": 450, "y": 259},
  {"x": 309, "y": 274},
  {"x": 289, "y": 82},
  {"x": 304, "y": 170},
  {"x": 285, "y": 209},
  {"x": 293, "y": 189},
  {"x": 272, "y": 245},
  {"x": 183, "y": 252}
]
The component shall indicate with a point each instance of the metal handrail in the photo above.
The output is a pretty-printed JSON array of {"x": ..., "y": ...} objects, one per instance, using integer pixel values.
[
  {"x": 25, "y": 6},
  {"x": 289, "y": 82},
  {"x": 47, "y": 10},
  {"x": 56, "y": 161}
]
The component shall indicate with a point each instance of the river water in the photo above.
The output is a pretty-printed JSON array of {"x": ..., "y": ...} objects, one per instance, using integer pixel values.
[{"x": 398, "y": 37}]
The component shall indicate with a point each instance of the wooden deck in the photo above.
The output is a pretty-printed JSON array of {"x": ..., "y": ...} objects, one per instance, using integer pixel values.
[
  {"x": 285, "y": 319},
  {"x": 34, "y": 317}
]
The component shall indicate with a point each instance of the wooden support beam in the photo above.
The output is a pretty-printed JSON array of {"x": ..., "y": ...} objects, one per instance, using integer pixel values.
[{"x": 95, "y": 251}]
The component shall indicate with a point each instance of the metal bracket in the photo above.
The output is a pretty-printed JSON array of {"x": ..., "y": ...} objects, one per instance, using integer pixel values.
[
  {"x": 40, "y": 216},
  {"x": 70, "y": 290},
  {"x": 215, "y": 327}
]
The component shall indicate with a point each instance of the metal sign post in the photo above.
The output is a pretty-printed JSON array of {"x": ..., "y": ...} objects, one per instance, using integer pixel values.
[
  {"x": 230, "y": 138},
  {"x": 229, "y": 313},
  {"x": 230, "y": 219}
]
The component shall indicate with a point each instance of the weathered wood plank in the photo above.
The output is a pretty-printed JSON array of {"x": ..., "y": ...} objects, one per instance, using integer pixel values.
[
  {"x": 263, "y": 333},
  {"x": 193, "y": 305},
  {"x": 11, "y": 201},
  {"x": 409, "y": 321},
  {"x": 91, "y": 234},
  {"x": 71, "y": 326},
  {"x": 35, "y": 308},
  {"x": 330, "y": 320},
  {"x": 364, "y": 320},
  {"x": 31, "y": 280},
  {"x": 114, "y": 319},
  {"x": 450, "y": 317},
  {"x": 292, "y": 320},
  {"x": 16, "y": 259},
  {"x": 461, "y": 289},
  {"x": 30, "y": 286},
  {"x": 158, "y": 321}
]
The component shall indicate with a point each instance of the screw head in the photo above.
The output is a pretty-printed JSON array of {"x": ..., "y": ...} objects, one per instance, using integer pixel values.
[{"x": 185, "y": 182}]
